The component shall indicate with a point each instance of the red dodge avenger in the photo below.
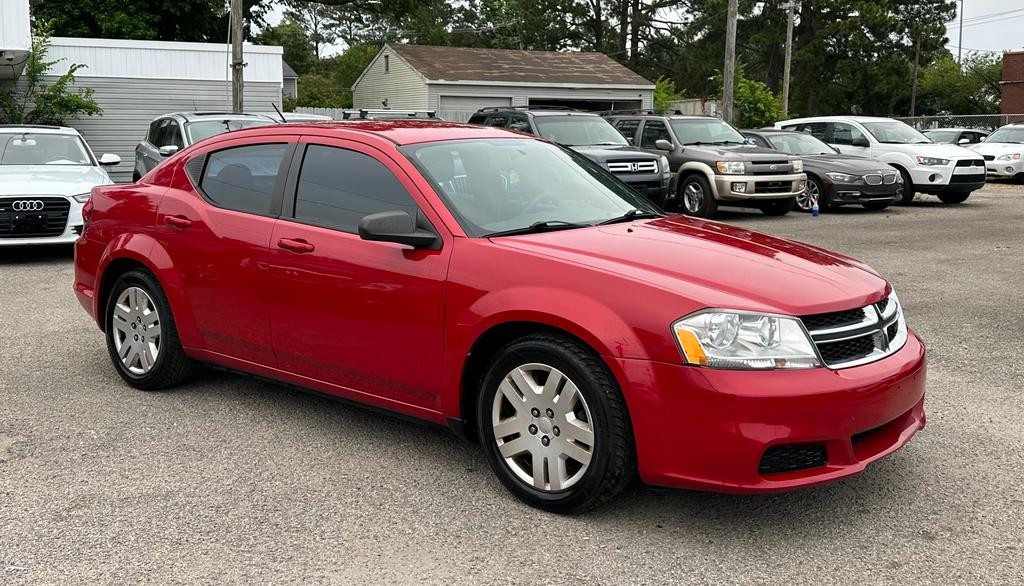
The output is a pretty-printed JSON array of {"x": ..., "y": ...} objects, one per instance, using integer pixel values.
[{"x": 512, "y": 290}]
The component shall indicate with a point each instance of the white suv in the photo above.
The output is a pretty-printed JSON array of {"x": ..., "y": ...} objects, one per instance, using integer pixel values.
[
  {"x": 46, "y": 175},
  {"x": 948, "y": 171},
  {"x": 1004, "y": 151}
]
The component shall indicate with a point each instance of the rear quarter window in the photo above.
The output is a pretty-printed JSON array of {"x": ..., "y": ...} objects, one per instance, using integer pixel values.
[{"x": 244, "y": 178}]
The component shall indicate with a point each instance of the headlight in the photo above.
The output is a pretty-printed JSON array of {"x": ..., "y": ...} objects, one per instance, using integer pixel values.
[
  {"x": 664, "y": 164},
  {"x": 744, "y": 340},
  {"x": 731, "y": 167},
  {"x": 81, "y": 197},
  {"x": 798, "y": 166},
  {"x": 843, "y": 178},
  {"x": 1009, "y": 157},
  {"x": 931, "y": 161}
]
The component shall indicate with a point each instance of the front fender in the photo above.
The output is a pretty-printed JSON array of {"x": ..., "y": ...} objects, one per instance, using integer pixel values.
[{"x": 704, "y": 169}]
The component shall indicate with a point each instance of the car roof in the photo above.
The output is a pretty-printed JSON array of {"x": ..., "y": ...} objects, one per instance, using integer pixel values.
[
  {"x": 957, "y": 130},
  {"x": 37, "y": 129},
  {"x": 399, "y": 132},
  {"x": 191, "y": 116},
  {"x": 661, "y": 116},
  {"x": 837, "y": 118}
]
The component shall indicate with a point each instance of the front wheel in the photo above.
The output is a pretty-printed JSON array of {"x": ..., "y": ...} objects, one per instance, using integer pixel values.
[
  {"x": 778, "y": 207},
  {"x": 141, "y": 337},
  {"x": 696, "y": 198},
  {"x": 813, "y": 193},
  {"x": 954, "y": 197},
  {"x": 906, "y": 193},
  {"x": 554, "y": 425}
]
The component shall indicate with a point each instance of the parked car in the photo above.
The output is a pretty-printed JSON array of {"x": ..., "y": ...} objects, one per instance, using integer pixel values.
[
  {"x": 511, "y": 289},
  {"x": 833, "y": 179},
  {"x": 1004, "y": 152},
  {"x": 591, "y": 136},
  {"x": 948, "y": 171},
  {"x": 713, "y": 164},
  {"x": 960, "y": 136},
  {"x": 46, "y": 174},
  {"x": 172, "y": 132}
]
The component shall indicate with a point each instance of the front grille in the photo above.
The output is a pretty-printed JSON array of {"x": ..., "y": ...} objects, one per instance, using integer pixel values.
[
  {"x": 825, "y": 321},
  {"x": 855, "y": 336},
  {"x": 966, "y": 178},
  {"x": 793, "y": 457},
  {"x": 990, "y": 157},
  {"x": 971, "y": 163},
  {"x": 633, "y": 166},
  {"x": 846, "y": 350},
  {"x": 50, "y": 220},
  {"x": 889, "y": 178},
  {"x": 873, "y": 179},
  {"x": 773, "y": 187},
  {"x": 771, "y": 168}
]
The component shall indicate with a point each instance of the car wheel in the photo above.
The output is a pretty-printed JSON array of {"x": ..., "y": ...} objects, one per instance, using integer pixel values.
[
  {"x": 906, "y": 192},
  {"x": 141, "y": 338},
  {"x": 875, "y": 205},
  {"x": 813, "y": 192},
  {"x": 778, "y": 207},
  {"x": 954, "y": 197},
  {"x": 554, "y": 424},
  {"x": 696, "y": 198}
]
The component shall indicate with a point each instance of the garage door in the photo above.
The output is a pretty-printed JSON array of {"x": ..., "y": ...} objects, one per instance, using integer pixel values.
[{"x": 460, "y": 108}]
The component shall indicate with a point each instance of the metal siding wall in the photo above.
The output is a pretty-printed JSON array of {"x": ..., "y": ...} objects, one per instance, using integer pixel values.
[
  {"x": 15, "y": 33},
  {"x": 129, "y": 105},
  {"x": 402, "y": 86}
]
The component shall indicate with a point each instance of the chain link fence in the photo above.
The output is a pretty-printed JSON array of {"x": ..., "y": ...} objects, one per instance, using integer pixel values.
[{"x": 987, "y": 122}]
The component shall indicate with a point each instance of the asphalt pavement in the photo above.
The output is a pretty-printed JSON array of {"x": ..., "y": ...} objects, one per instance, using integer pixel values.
[{"x": 231, "y": 480}]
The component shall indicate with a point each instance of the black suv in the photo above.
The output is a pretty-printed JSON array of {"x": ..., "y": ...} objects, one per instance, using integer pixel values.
[
  {"x": 591, "y": 136},
  {"x": 714, "y": 164}
]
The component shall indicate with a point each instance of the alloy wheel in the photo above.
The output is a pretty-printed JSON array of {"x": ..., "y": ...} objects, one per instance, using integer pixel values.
[
  {"x": 805, "y": 200},
  {"x": 693, "y": 197},
  {"x": 136, "y": 329},
  {"x": 543, "y": 427}
]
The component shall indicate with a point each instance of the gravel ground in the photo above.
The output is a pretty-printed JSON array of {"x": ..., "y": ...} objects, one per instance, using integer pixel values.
[{"x": 232, "y": 480}]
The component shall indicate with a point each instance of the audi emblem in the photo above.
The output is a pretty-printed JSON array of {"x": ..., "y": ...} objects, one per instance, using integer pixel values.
[{"x": 28, "y": 205}]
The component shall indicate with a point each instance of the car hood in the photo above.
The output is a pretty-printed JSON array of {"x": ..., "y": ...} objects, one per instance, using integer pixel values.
[
  {"x": 50, "y": 179},
  {"x": 612, "y": 153},
  {"x": 932, "y": 149},
  {"x": 740, "y": 152},
  {"x": 715, "y": 265},
  {"x": 843, "y": 164},
  {"x": 998, "y": 148}
]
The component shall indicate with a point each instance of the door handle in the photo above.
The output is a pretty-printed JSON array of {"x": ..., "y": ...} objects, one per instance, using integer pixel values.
[
  {"x": 177, "y": 221},
  {"x": 296, "y": 245}
]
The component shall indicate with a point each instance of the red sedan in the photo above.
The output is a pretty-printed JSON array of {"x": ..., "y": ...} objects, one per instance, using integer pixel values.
[{"x": 512, "y": 290}]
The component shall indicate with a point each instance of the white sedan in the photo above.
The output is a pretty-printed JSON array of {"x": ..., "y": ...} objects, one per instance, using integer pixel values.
[{"x": 46, "y": 176}]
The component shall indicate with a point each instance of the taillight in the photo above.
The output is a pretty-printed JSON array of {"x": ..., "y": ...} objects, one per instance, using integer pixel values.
[{"x": 86, "y": 213}]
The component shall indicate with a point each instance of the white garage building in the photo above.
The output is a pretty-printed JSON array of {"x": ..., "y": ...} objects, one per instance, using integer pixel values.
[{"x": 457, "y": 81}]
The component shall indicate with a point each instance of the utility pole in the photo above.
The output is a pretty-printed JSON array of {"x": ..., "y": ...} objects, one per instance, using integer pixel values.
[
  {"x": 789, "y": 57},
  {"x": 237, "y": 84},
  {"x": 728, "y": 72},
  {"x": 913, "y": 90},
  {"x": 960, "y": 43}
]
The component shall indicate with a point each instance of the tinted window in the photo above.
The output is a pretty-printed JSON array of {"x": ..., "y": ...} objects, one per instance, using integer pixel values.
[
  {"x": 519, "y": 123},
  {"x": 815, "y": 129},
  {"x": 654, "y": 131},
  {"x": 627, "y": 128},
  {"x": 338, "y": 188},
  {"x": 243, "y": 178},
  {"x": 170, "y": 134},
  {"x": 843, "y": 133},
  {"x": 759, "y": 141},
  {"x": 499, "y": 120},
  {"x": 154, "y": 131},
  {"x": 576, "y": 130}
]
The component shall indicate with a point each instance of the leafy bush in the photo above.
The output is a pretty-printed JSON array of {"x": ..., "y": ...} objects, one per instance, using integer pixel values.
[
  {"x": 665, "y": 93},
  {"x": 753, "y": 105},
  {"x": 320, "y": 91}
]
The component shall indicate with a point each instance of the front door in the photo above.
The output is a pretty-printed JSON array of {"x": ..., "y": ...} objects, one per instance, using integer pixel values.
[{"x": 367, "y": 316}]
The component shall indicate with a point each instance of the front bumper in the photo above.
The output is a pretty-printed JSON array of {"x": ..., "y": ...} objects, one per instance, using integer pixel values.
[
  {"x": 846, "y": 193},
  {"x": 70, "y": 233},
  {"x": 758, "y": 187},
  {"x": 654, "y": 186},
  {"x": 708, "y": 429},
  {"x": 947, "y": 179},
  {"x": 1004, "y": 168}
]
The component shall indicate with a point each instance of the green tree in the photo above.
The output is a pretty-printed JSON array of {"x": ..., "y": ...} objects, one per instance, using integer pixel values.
[
  {"x": 754, "y": 104},
  {"x": 665, "y": 93},
  {"x": 947, "y": 88},
  {"x": 346, "y": 68},
  {"x": 320, "y": 91},
  {"x": 298, "y": 49},
  {"x": 35, "y": 102}
]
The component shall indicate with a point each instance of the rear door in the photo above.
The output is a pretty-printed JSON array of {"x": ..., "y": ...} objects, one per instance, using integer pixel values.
[
  {"x": 842, "y": 135},
  {"x": 366, "y": 316},
  {"x": 628, "y": 127}
]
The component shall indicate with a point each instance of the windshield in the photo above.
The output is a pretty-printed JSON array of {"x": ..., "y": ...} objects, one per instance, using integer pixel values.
[
  {"x": 895, "y": 132},
  {"x": 799, "y": 144},
  {"x": 509, "y": 184},
  {"x": 945, "y": 136},
  {"x": 1011, "y": 134},
  {"x": 579, "y": 130},
  {"x": 197, "y": 131},
  {"x": 26, "y": 148},
  {"x": 705, "y": 131}
]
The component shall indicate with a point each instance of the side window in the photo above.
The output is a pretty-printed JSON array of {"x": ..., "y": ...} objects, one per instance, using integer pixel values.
[
  {"x": 498, "y": 120},
  {"x": 477, "y": 119},
  {"x": 843, "y": 133},
  {"x": 759, "y": 141},
  {"x": 170, "y": 134},
  {"x": 654, "y": 130},
  {"x": 243, "y": 178},
  {"x": 815, "y": 129},
  {"x": 627, "y": 128},
  {"x": 521, "y": 123},
  {"x": 154, "y": 132},
  {"x": 338, "y": 188}
]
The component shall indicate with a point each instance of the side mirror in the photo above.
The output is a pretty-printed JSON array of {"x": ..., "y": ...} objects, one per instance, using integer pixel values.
[
  {"x": 860, "y": 141},
  {"x": 108, "y": 159},
  {"x": 397, "y": 226},
  {"x": 964, "y": 140},
  {"x": 663, "y": 145},
  {"x": 167, "y": 150}
]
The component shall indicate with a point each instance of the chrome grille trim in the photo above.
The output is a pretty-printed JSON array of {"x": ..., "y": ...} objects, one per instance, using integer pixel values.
[
  {"x": 633, "y": 166},
  {"x": 876, "y": 326},
  {"x": 873, "y": 179}
]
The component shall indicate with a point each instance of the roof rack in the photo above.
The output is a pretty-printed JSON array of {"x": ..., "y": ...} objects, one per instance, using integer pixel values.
[
  {"x": 46, "y": 126},
  {"x": 500, "y": 108},
  {"x": 644, "y": 112},
  {"x": 221, "y": 114},
  {"x": 368, "y": 113}
]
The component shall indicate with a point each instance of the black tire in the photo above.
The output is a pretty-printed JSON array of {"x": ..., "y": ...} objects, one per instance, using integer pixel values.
[
  {"x": 823, "y": 197},
  {"x": 908, "y": 187},
  {"x": 708, "y": 207},
  {"x": 613, "y": 460},
  {"x": 779, "y": 207},
  {"x": 171, "y": 366},
  {"x": 876, "y": 205},
  {"x": 953, "y": 198}
]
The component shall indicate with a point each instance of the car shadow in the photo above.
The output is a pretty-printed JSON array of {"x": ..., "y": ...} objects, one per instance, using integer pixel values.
[{"x": 41, "y": 253}]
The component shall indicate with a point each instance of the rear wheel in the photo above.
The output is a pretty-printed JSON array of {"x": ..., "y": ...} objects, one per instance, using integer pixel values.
[
  {"x": 778, "y": 207},
  {"x": 954, "y": 197},
  {"x": 696, "y": 198},
  {"x": 141, "y": 338},
  {"x": 554, "y": 425},
  {"x": 907, "y": 194}
]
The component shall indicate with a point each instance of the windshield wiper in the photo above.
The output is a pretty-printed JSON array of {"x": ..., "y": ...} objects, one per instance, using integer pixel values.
[
  {"x": 545, "y": 226},
  {"x": 728, "y": 142},
  {"x": 696, "y": 142},
  {"x": 631, "y": 215}
]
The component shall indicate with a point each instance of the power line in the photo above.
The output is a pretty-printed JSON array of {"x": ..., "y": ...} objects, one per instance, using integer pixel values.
[{"x": 995, "y": 19}]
